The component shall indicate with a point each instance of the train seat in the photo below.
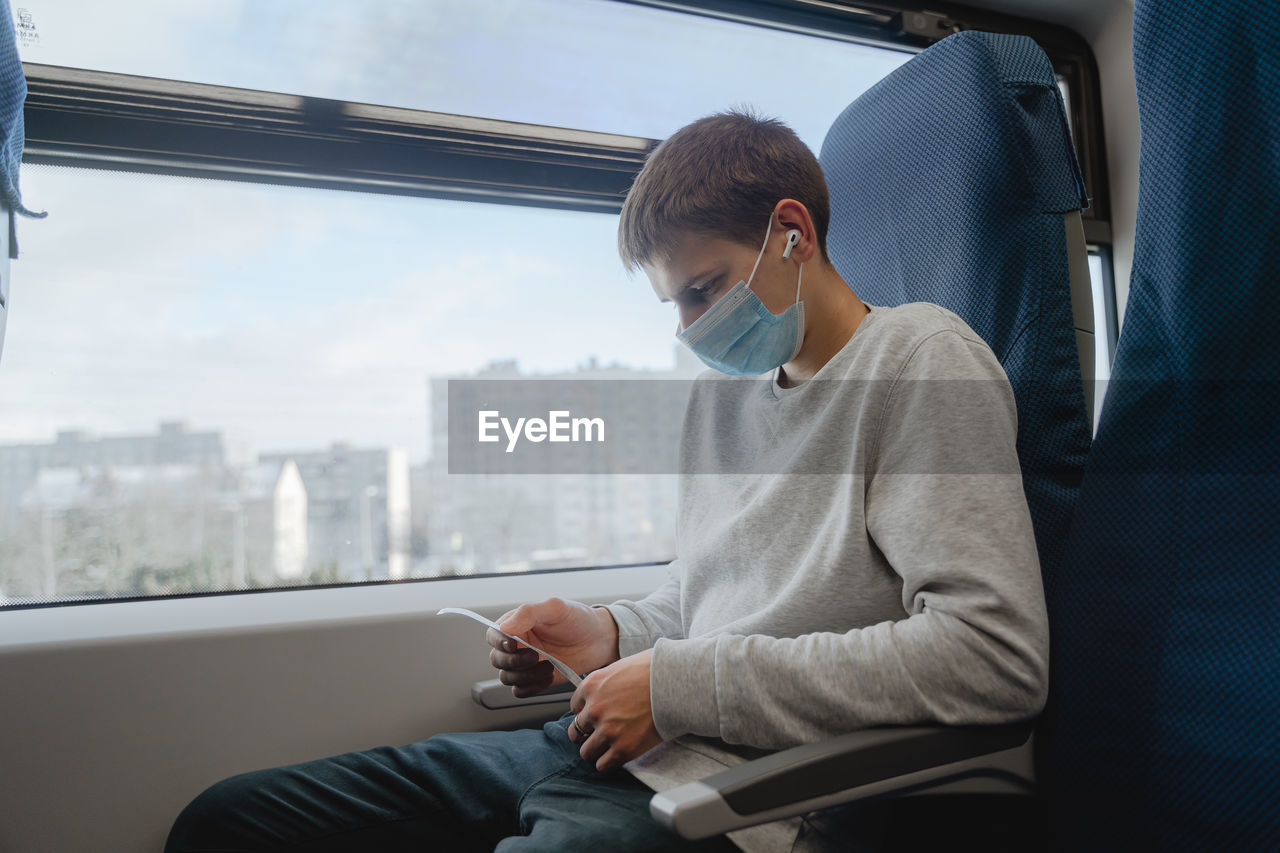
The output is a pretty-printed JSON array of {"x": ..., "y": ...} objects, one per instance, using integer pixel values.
[{"x": 1164, "y": 630}]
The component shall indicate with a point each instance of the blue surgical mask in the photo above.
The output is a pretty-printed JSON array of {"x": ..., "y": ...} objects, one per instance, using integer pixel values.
[{"x": 738, "y": 335}]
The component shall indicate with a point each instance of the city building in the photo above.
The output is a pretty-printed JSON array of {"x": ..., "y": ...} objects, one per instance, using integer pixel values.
[
  {"x": 135, "y": 529},
  {"x": 358, "y": 511},
  {"x": 174, "y": 444},
  {"x": 273, "y": 522}
]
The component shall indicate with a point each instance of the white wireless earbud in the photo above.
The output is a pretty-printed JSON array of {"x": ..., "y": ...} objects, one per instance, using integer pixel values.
[{"x": 793, "y": 237}]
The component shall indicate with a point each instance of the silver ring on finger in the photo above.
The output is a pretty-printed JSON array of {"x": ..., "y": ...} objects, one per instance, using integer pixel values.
[{"x": 583, "y": 734}]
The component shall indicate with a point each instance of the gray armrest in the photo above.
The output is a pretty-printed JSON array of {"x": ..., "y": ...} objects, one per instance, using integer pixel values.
[
  {"x": 869, "y": 763},
  {"x": 493, "y": 694}
]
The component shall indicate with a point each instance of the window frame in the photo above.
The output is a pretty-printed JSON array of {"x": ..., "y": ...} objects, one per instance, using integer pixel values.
[{"x": 121, "y": 122}]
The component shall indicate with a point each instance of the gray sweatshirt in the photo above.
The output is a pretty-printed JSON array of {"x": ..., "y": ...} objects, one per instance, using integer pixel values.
[{"x": 863, "y": 555}]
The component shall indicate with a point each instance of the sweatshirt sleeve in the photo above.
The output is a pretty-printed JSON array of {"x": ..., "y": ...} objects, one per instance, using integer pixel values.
[
  {"x": 642, "y": 623},
  {"x": 944, "y": 504}
]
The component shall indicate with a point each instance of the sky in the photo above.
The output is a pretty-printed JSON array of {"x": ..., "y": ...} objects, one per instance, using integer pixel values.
[{"x": 299, "y": 317}]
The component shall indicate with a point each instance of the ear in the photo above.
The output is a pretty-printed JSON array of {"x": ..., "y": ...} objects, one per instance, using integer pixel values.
[{"x": 789, "y": 214}]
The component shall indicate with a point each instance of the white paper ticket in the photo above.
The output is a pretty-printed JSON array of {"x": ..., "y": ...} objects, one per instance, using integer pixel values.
[{"x": 561, "y": 666}]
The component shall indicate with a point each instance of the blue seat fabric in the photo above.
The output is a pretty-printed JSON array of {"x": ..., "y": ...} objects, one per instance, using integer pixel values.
[
  {"x": 1166, "y": 618},
  {"x": 949, "y": 179}
]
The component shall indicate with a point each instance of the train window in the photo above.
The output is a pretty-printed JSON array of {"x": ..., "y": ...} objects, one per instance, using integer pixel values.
[
  {"x": 236, "y": 381},
  {"x": 216, "y": 385}
]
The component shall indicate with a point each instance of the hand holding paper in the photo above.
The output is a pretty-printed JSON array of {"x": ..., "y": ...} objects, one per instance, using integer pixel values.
[{"x": 560, "y": 666}]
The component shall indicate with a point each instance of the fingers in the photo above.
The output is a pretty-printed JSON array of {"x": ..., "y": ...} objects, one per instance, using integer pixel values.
[
  {"x": 595, "y": 746},
  {"x": 523, "y": 670},
  {"x": 519, "y": 666},
  {"x": 530, "y": 689},
  {"x": 583, "y": 731},
  {"x": 583, "y": 720},
  {"x": 521, "y": 659},
  {"x": 579, "y": 730},
  {"x": 612, "y": 759},
  {"x": 528, "y": 682}
]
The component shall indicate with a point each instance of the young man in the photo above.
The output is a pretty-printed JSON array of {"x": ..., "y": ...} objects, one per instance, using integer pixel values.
[{"x": 854, "y": 550}]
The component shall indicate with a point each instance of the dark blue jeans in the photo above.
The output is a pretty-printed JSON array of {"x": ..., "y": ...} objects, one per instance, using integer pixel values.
[{"x": 526, "y": 790}]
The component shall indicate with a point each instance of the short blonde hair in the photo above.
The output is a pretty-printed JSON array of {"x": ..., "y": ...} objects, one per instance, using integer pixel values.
[{"x": 720, "y": 176}]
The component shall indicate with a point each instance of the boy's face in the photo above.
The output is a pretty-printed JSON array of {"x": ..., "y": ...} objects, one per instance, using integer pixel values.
[{"x": 702, "y": 269}]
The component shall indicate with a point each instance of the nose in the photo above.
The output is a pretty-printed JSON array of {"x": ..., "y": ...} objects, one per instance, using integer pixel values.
[{"x": 689, "y": 314}]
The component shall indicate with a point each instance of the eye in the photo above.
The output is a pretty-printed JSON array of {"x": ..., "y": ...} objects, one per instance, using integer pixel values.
[
  {"x": 705, "y": 289},
  {"x": 694, "y": 295},
  {"x": 700, "y": 294}
]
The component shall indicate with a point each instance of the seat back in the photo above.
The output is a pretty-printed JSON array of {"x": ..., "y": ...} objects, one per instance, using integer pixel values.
[
  {"x": 953, "y": 180},
  {"x": 1166, "y": 657}
]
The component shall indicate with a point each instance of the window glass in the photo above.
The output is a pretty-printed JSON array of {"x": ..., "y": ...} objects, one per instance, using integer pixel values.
[
  {"x": 211, "y": 385},
  {"x": 1102, "y": 294},
  {"x": 585, "y": 64},
  {"x": 1103, "y": 345}
]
